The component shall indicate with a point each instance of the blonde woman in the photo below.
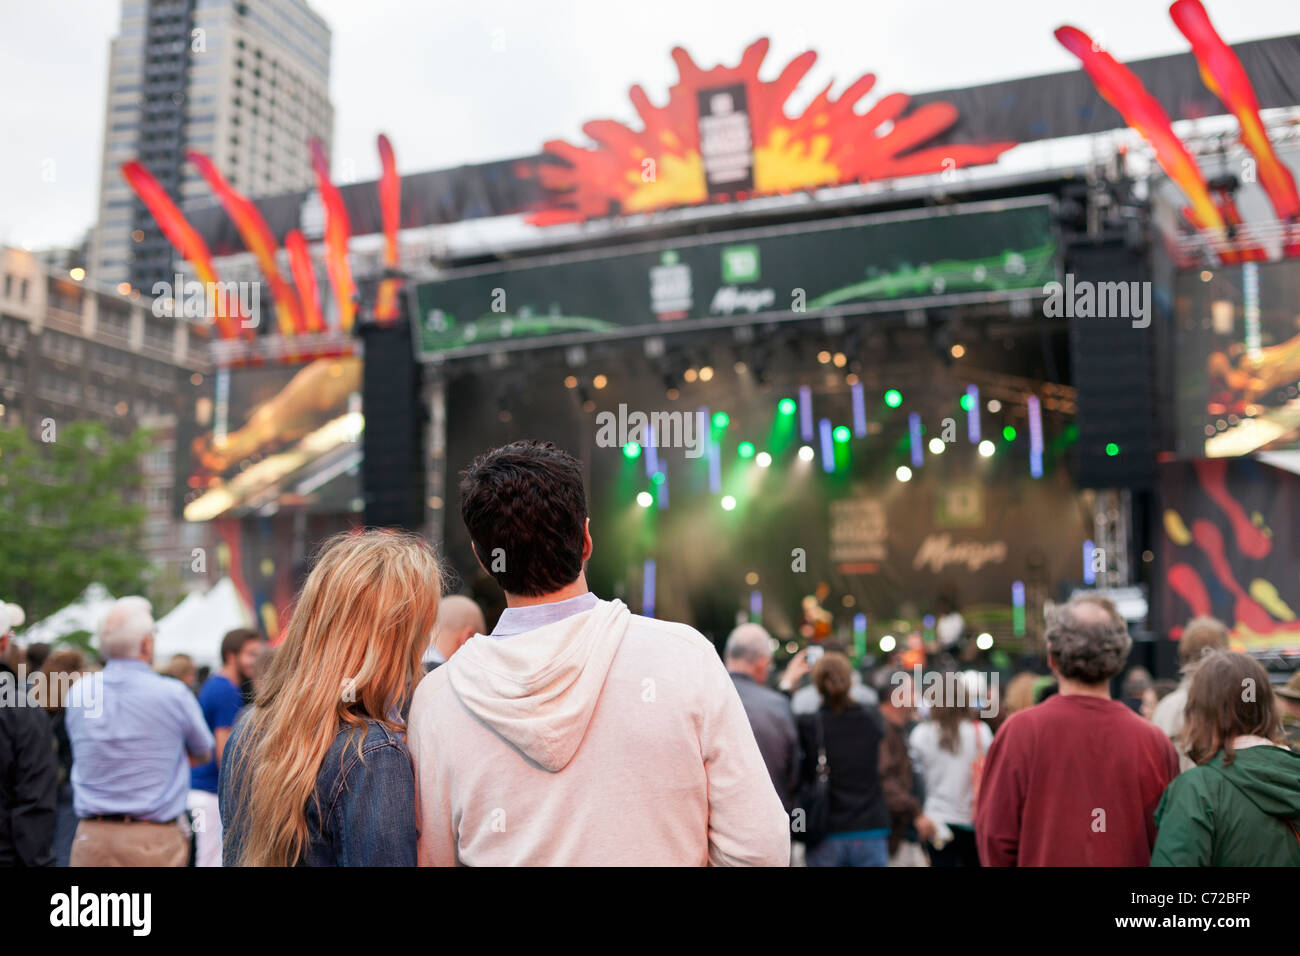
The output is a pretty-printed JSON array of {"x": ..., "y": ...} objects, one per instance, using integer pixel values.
[{"x": 319, "y": 773}]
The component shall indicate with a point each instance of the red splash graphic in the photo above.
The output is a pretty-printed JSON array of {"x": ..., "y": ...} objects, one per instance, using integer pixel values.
[
  {"x": 1225, "y": 77},
  {"x": 1245, "y": 611},
  {"x": 1253, "y": 617},
  {"x": 304, "y": 279},
  {"x": 257, "y": 238},
  {"x": 1213, "y": 476},
  {"x": 1187, "y": 584},
  {"x": 1120, "y": 87},
  {"x": 661, "y": 165},
  {"x": 338, "y": 230},
  {"x": 390, "y": 208},
  {"x": 180, "y": 234}
]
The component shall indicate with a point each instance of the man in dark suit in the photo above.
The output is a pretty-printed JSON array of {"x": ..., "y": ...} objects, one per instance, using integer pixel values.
[
  {"x": 748, "y": 657},
  {"x": 28, "y": 772}
]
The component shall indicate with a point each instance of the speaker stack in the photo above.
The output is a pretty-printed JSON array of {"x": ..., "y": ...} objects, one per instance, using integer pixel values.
[
  {"x": 1113, "y": 371},
  {"x": 392, "y": 471}
]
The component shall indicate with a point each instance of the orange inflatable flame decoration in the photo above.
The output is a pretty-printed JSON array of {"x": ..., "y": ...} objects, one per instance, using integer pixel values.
[
  {"x": 257, "y": 238},
  {"x": 304, "y": 278},
  {"x": 185, "y": 238},
  {"x": 1121, "y": 88},
  {"x": 390, "y": 207},
  {"x": 827, "y": 144},
  {"x": 337, "y": 232},
  {"x": 1225, "y": 77}
]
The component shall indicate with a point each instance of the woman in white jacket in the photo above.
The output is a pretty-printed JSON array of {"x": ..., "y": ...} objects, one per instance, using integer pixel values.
[{"x": 945, "y": 750}]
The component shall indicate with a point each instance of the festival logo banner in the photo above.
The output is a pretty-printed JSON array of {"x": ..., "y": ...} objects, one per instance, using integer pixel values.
[
  {"x": 978, "y": 252},
  {"x": 724, "y": 135}
]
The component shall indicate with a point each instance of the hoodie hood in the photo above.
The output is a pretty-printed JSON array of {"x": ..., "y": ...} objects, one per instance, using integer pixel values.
[
  {"x": 538, "y": 690},
  {"x": 1268, "y": 776}
]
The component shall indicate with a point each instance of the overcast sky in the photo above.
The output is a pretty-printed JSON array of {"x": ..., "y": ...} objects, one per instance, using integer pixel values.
[{"x": 462, "y": 82}]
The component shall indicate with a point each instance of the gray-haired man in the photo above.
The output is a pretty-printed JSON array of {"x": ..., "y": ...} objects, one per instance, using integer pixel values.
[
  {"x": 1075, "y": 780},
  {"x": 134, "y": 736},
  {"x": 748, "y": 657}
]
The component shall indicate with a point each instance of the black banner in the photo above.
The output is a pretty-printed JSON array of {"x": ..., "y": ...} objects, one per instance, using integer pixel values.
[
  {"x": 1021, "y": 110},
  {"x": 1067, "y": 104}
]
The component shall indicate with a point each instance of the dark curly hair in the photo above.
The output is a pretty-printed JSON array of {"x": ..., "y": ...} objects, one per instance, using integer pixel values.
[
  {"x": 526, "y": 510},
  {"x": 1087, "y": 639}
]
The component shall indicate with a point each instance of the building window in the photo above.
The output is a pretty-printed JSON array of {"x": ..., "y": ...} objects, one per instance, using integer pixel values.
[
  {"x": 64, "y": 296},
  {"x": 159, "y": 335},
  {"x": 63, "y": 348},
  {"x": 114, "y": 322}
]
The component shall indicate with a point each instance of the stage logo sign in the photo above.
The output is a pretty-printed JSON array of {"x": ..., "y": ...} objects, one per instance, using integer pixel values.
[
  {"x": 724, "y": 135},
  {"x": 939, "y": 551},
  {"x": 859, "y": 531}
]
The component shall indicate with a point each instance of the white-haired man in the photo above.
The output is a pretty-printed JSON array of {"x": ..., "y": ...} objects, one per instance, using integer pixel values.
[
  {"x": 135, "y": 734},
  {"x": 748, "y": 656}
]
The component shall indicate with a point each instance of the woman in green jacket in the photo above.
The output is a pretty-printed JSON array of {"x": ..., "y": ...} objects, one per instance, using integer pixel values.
[{"x": 1240, "y": 804}]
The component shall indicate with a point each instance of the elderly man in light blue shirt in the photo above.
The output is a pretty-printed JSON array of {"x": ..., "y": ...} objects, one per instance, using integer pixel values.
[{"x": 134, "y": 734}]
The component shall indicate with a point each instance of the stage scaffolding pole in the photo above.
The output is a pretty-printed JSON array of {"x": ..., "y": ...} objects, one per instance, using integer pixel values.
[
  {"x": 1113, "y": 536},
  {"x": 435, "y": 500}
]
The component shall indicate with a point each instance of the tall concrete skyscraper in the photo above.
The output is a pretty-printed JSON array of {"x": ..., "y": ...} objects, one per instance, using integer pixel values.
[{"x": 247, "y": 83}]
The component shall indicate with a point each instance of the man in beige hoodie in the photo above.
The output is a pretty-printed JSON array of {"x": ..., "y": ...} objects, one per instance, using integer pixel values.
[{"x": 578, "y": 733}]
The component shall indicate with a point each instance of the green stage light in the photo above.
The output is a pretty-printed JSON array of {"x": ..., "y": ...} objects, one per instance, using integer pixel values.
[
  {"x": 645, "y": 499},
  {"x": 1112, "y": 449},
  {"x": 745, "y": 449},
  {"x": 893, "y": 398},
  {"x": 967, "y": 403},
  {"x": 658, "y": 477},
  {"x": 721, "y": 419},
  {"x": 631, "y": 450},
  {"x": 728, "y": 503},
  {"x": 841, "y": 434},
  {"x": 1009, "y": 433},
  {"x": 786, "y": 406}
]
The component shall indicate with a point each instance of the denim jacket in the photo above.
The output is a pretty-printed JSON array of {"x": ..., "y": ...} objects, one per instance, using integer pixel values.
[{"x": 366, "y": 814}]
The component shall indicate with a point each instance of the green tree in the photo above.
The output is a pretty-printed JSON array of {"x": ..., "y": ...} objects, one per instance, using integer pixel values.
[{"x": 68, "y": 516}]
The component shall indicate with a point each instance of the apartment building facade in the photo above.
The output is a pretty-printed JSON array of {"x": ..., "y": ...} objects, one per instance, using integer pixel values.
[
  {"x": 70, "y": 351},
  {"x": 246, "y": 83}
]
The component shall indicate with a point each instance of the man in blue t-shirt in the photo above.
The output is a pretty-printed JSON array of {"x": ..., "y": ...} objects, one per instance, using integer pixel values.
[{"x": 221, "y": 698}]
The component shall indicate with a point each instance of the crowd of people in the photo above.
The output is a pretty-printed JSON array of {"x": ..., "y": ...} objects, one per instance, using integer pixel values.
[{"x": 390, "y": 727}]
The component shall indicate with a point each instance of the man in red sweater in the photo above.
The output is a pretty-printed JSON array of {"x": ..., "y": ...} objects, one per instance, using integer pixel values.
[{"x": 1075, "y": 780}]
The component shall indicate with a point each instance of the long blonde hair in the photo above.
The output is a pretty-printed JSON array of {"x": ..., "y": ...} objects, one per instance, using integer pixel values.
[{"x": 352, "y": 653}]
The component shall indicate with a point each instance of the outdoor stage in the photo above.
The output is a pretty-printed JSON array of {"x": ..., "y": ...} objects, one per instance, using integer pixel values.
[{"x": 869, "y": 465}]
